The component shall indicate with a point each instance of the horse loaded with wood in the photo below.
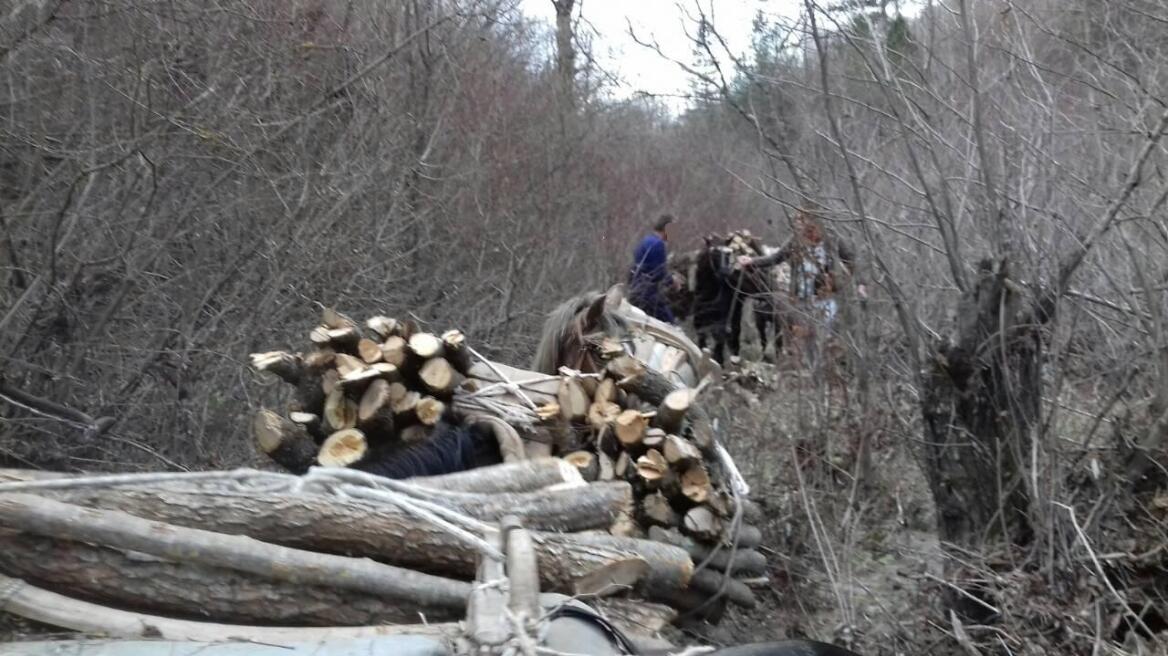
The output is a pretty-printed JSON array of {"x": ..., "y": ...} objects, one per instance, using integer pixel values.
[{"x": 424, "y": 484}]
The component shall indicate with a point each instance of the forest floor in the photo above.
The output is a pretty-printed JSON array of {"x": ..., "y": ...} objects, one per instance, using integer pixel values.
[{"x": 857, "y": 565}]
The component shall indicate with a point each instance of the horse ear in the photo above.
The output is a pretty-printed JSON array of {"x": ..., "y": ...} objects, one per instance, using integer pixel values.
[
  {"x": 615, "y": 295},
  {"x": 595, "y": 311}
]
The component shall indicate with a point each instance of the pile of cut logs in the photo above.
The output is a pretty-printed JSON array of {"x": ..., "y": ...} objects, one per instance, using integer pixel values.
[
  {"x": 644, "y": 446},
  {"x": 629, "y": 502}
]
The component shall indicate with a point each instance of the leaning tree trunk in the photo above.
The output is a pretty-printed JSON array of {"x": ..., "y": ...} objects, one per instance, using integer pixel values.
[{"x": 980, "y": 404}]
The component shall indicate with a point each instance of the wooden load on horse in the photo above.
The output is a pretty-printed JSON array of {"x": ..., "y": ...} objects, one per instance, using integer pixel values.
[{"x": 405, "y": 449}]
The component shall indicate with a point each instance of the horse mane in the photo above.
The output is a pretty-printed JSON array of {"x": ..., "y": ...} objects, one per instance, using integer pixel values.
[
  {"x": 562, "y": 332},
  {"x": 451, "y": 448}
]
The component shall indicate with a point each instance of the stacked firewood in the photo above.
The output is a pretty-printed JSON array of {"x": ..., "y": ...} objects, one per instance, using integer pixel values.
[
  {"x": 359, "y": 391},
  {"x": 362, "y": 391}
]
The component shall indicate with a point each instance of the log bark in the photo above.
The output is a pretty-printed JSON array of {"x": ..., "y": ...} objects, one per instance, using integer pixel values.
[
  {"x": 655, "y": 510},
  {"x": 189, "y": 590},
  {"x": 671, "y": 413},
  {"x": 743, "y": 561},
  {"x": 58, "y": 610},
  {"x": 525, "y": 476},
  {"x": 351, "y": 527},
  {"x": 577, "y": 509},
  {"x": 636, "y": 615},
  {"x": 678, "y": 450},
  {"x": 121, "y": 530},
  {"x": 374, "y": 414},
  {"x": 670, "y": 567},
  {"x": 454, "y": 344},
  {"x": 712, "y": 582},
  {"x": 287, "y": 443}
]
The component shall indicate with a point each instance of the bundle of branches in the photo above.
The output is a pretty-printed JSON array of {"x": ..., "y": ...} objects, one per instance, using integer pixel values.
[{"x": 363, "y": 397}]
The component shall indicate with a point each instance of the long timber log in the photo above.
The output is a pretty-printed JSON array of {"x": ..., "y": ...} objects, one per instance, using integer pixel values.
[
  {"x": 118, "y": 529},
  {"x": 134, "y": 581},
  {"x": 349, "y": 527},
  {"x": 48, "y": 607}
]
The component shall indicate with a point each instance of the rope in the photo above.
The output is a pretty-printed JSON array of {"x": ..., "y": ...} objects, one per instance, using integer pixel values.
[{"x": 510, "y": 385}]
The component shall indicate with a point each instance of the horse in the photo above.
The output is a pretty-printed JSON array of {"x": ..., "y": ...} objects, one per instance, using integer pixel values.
[
  {"x": 721, "y": 290},
  {"x": 713, "y": 299},
  {"x": 578, "y": 331}
]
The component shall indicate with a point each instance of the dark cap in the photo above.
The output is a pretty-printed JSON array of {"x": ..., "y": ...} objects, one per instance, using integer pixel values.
[{"x": 663, "y": 221}]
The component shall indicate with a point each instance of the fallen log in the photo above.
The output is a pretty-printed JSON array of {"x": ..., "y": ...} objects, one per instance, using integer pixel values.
[
  {"x": 122, "y": 530},
  {"x": 190, "y": 590},
  {"x": 54, "y": 609}
]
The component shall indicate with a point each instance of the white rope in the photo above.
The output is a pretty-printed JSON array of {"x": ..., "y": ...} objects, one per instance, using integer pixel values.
[{"x": 511, "y": 385}]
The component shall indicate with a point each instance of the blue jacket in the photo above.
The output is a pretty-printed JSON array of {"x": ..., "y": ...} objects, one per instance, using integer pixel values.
[
  {"x": 650, "y": 271},
  {"x": 648, "y": 277}
]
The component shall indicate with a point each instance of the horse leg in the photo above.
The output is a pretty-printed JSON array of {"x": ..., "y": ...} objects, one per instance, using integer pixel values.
[
  {"x": 762, "y": 319},
  {"x": 735, "y": 331}
]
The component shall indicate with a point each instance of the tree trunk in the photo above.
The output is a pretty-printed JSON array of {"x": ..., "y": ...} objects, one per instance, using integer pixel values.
[
  {"x": 981, "y": 403},
  {"x": 189, "y": 590},
  {"x": 565, "y": 55}
]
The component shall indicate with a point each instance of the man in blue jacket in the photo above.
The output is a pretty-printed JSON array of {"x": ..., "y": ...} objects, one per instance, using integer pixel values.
[{"x": 650, "y": 273}]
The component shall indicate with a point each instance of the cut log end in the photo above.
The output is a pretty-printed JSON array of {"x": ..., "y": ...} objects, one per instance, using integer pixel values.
[
  {"x": 438, "y": 375},
  {"x": 429, "y": 410},
  {"x": 702, "y": 524},
  {"x": 652, "y": 466},
  {"x": 340, "y": 412},
  {"x": 586, "y": 463},
  {"x": 425, "y": 345},
  {"x": 630, "y": 427},
  {"x": 343, "y": 448},
  {"x": 394, "y": 350},
  {"x": 286, "y": 366},
  {"x": 369, "y": 350}
]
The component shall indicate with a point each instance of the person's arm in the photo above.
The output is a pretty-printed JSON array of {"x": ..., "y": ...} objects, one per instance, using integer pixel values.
[{"x": 778, "y": 257}]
